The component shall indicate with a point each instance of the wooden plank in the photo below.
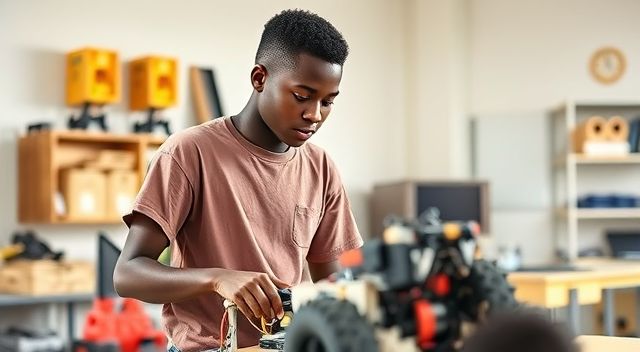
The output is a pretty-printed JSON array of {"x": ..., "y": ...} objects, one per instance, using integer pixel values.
[
  {"x": 205, "y": 94},
  {"x": 84, "y": 136},
  {"x": 34, "y": 165},
  {"x": 204, "y": 112}
]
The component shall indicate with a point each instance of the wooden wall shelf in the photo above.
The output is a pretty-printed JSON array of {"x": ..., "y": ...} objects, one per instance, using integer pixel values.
[{"x": 42, "y": 155}]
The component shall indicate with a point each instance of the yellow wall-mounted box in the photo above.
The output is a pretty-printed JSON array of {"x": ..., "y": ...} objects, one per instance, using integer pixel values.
[
  {"x": 93, "y": 76},
  {"x": 153, "y": 83}
]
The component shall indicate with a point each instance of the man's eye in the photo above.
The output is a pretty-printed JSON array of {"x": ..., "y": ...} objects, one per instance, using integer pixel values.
[
  {"x": 300, "y": 97},
  {"x": 327, "y": 103}
]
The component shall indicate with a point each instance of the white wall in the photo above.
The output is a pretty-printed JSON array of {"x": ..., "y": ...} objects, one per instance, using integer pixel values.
[
  {"x": 35, "y": 35},
  {"x": 437, "y": 94},
  {"x": 417, "y": 69},
  {"x": 527, "y": 56}
]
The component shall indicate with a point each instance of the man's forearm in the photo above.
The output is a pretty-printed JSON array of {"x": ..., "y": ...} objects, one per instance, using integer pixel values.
[{"x": 149, "y": 281}]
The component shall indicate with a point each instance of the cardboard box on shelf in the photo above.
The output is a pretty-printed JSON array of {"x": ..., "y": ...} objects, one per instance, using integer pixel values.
[
  {"x": 85, "y": 193},
  {"x": 47, "y": 277},
  {"x": 123, "y": 187}
]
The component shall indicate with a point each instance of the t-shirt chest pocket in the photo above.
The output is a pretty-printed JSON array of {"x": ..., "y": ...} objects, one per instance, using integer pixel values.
[{"x": 305, "y": 224}]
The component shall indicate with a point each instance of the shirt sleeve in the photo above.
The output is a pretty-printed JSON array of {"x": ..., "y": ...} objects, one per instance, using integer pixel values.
[
  {"x": 166, "y": 195},
  {"x": 337, "y": 232}
]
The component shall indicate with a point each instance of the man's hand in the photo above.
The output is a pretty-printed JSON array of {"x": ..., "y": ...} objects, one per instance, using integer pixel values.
[{"x": 255, "y": 294}]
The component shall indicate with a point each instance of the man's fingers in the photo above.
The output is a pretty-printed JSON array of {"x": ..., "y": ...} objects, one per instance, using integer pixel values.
[
  {"x": 244, "y": 309},
  {"x": 274, "y": 299},
  {"x": 252, "y": 303},
  {"x": 259, "y": 293}
]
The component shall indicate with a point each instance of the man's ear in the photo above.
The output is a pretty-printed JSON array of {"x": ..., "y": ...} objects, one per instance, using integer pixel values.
[{"x": 258, "y": 77}]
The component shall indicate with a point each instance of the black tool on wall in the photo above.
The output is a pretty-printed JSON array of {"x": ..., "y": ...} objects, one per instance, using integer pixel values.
[
  {"x": 86, "y": 118},
  {"x": 29, "y": 246},
  {"x": 151, "y": 123},
  {"x": 38, "y": 126}
]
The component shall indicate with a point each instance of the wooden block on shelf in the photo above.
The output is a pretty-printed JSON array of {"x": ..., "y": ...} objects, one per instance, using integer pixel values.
[
  {"x": 47, "y": 277},
  {"x": 593, "y": 129},
  {"x": 113, "y": 160},
  {"x": 77, "y": 276},
  {"x": 30, "y": 277}
]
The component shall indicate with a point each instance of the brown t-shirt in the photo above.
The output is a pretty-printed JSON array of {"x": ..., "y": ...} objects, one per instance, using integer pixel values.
[{"x": 224, "y": 202}]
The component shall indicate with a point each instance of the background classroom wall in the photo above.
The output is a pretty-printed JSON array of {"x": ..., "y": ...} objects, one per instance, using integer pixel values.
[
  {"x": 417, "y": 72},
  {"x": 526, "y": 57},
  {"x": 363, "y": 134}
]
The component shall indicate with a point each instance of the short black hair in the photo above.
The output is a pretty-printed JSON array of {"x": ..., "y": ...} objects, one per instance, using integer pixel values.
[{"x": 293, "y": 32}]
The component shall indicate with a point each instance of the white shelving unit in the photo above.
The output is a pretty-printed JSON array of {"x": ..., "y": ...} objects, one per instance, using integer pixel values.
[{"x": 569, "y": 166}]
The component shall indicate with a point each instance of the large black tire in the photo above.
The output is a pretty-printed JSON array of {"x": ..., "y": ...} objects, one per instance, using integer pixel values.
[
  {"x": 490, "y": 291},
  {"x": 329, "y": 325}
]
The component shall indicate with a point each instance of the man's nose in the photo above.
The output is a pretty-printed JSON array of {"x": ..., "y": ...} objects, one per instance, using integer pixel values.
[{"x": 313, "y": 113}]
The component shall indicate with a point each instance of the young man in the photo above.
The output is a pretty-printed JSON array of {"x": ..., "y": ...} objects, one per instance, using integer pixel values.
[{"x": 243, "y": 201}]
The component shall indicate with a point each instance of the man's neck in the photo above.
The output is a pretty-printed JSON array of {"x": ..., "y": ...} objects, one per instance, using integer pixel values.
[{"x": 252, "y": 127}]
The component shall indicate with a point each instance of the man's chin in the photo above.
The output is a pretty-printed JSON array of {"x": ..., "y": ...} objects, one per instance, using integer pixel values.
[{"x": 295, "y": 144}]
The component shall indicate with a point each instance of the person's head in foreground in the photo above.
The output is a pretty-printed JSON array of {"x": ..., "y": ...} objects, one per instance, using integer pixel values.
[{"x": 520, "y": 332}]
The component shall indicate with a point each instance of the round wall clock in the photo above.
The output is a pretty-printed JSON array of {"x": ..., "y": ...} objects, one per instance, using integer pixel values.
[{"x": 607, "y": 65}]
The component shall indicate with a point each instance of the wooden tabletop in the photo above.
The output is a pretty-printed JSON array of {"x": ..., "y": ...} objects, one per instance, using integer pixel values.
[
  {"x": 591, "y": 343},
  {"x": 549, "y": 289}
]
